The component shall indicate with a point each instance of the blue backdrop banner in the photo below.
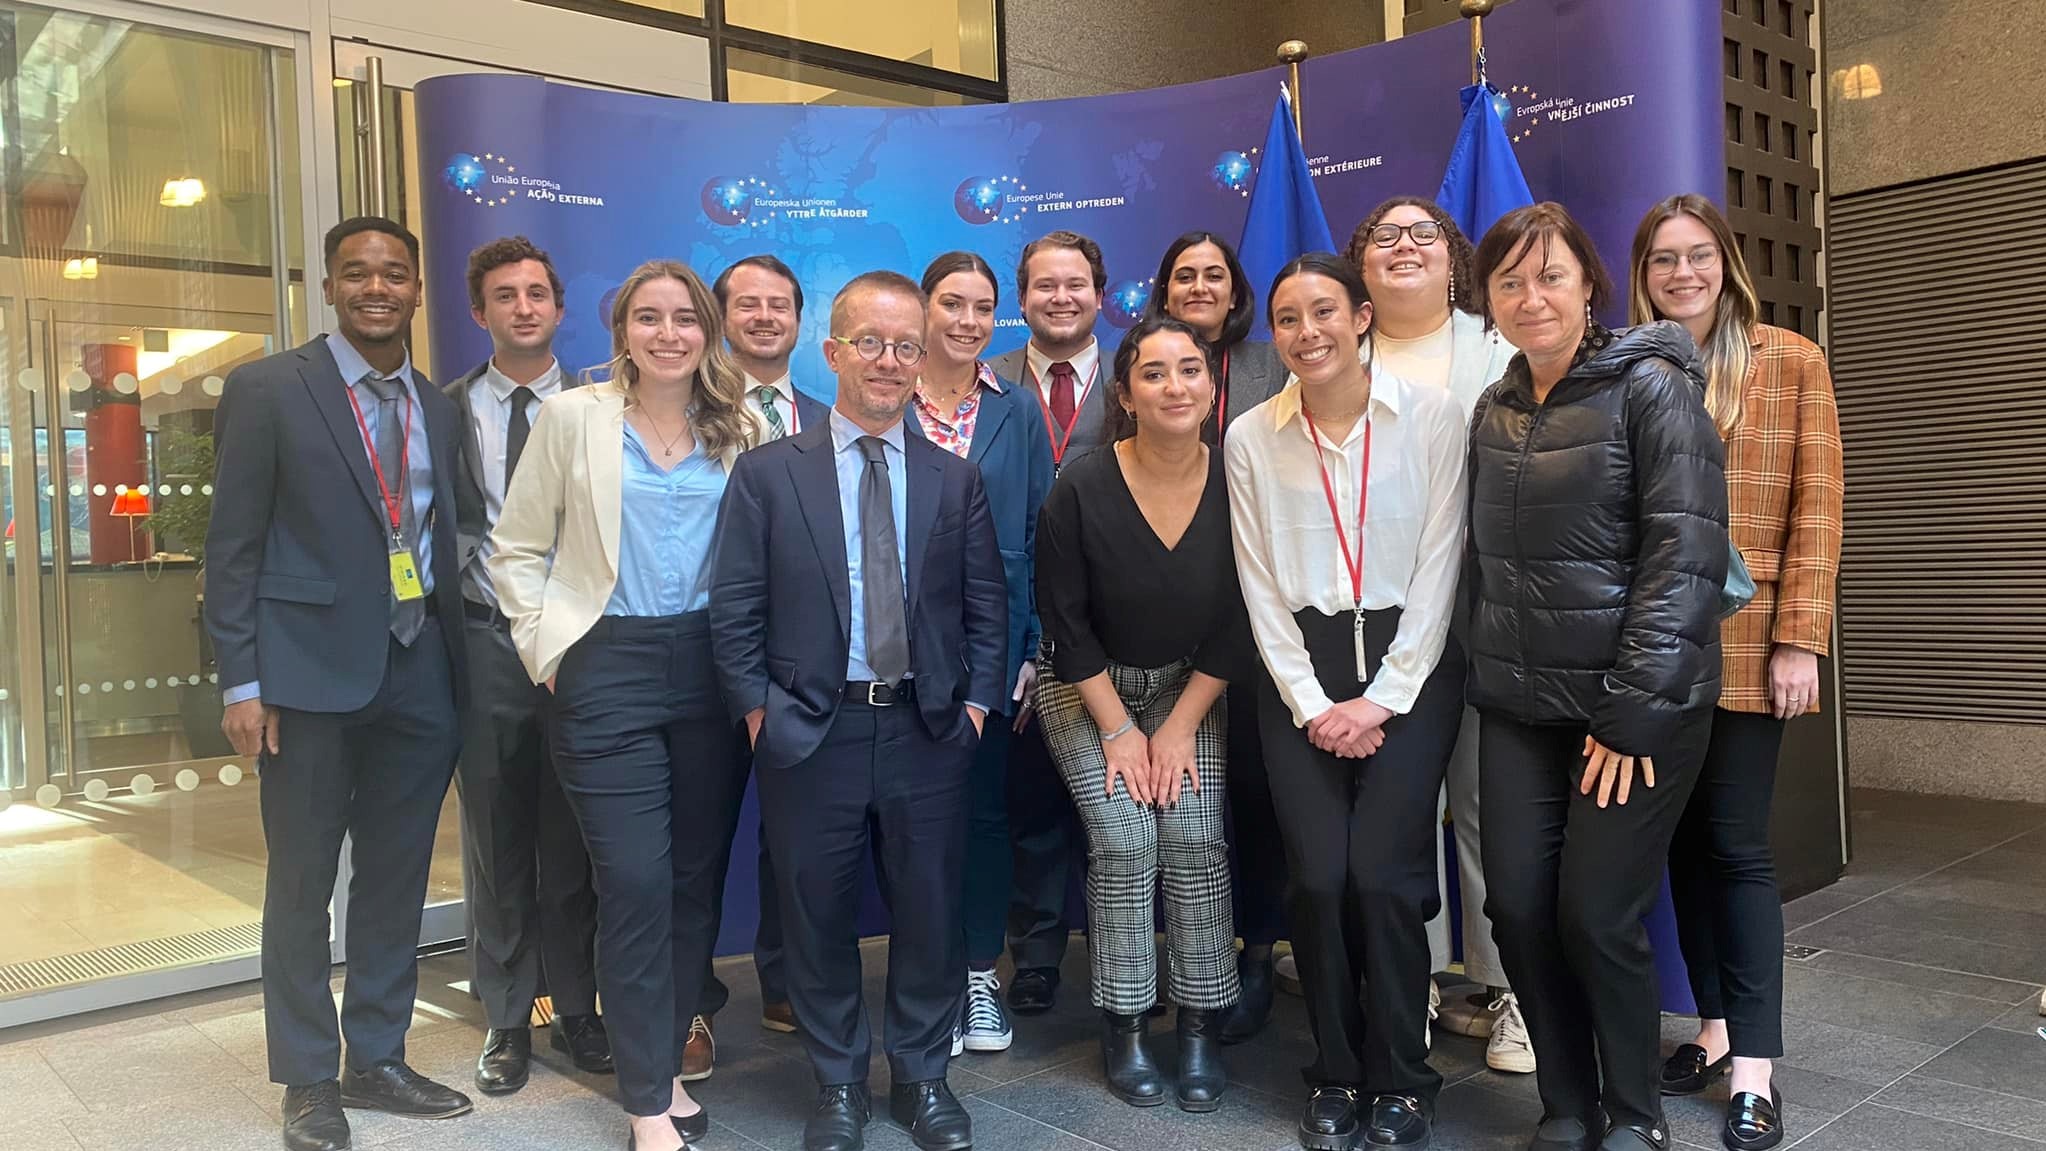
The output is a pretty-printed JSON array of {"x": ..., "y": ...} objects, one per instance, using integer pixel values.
[{"x": 1614, "y": 104}]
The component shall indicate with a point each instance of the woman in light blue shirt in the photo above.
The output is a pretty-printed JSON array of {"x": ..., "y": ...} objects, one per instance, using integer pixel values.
[{"x": 601, "y": 566}]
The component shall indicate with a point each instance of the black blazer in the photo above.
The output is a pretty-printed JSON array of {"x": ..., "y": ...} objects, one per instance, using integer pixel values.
[
  {"x": 472, "y": 512},
  {"x": 780, "y": 599},
  {"x": 810, "y": 413},
  {"x": 298, "y": 577}
]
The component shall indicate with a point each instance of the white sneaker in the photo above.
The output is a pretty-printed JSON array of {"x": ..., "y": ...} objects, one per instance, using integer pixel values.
[
  {"x": 986, "y": 1023},
  {"x": 958, "y": 1043},
  {"x": 1286, "y": 973},
  {"x": 1509, "y": 1048},
  {"x": 1434, "y": 1012}
]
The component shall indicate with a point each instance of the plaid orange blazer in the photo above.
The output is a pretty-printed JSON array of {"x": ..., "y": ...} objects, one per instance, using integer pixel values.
[{"x": 1784, "y": 490}]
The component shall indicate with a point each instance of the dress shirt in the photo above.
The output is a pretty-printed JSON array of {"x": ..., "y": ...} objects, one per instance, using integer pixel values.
[
  {"x": 956, "y": 436},
  {"x": 664, "y": 531},
  {"x": 851, "y": 465},
  {"x": 784, "y": 402},
  {"x": 418, "y": 459},
  {"x": 490, "y": 410},
  {"x": 1287, "y": 555},
  {"x": 1086, "y": 367}
]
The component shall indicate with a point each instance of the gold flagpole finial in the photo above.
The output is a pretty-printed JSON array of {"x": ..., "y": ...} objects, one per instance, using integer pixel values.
[
  {"x": 1475, "y": 11},
  {"x": 1291, "y": 53}
]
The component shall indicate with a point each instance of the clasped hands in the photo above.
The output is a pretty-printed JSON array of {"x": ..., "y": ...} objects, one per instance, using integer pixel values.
[{"x": 1352, "y": 729}]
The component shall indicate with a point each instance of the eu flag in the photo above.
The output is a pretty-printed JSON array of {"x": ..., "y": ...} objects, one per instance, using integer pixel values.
[
  {"x": 1483, "y": 181},
  {"x": 1285, "y": 217}
]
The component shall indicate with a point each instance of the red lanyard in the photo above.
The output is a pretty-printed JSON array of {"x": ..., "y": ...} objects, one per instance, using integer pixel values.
[
  {"x": 1222, "y": 398},
  {"x": 1354, "y": 565},
  {"x": 1059, "y": 441},
  {"x": 376, "y": 465}
]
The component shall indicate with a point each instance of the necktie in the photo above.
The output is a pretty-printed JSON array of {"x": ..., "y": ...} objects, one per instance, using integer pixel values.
[
  {"x": 407, "y": 616},
  {"x": 515, "y": 435},
  {"x": 881, "y": 569},
  {"x": 1062, "y": 405},
  {"x": 766, "y": 394}
]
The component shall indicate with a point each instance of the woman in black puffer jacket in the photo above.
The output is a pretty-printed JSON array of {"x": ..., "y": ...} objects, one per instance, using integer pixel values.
[{"x": 1597, "y": 553}]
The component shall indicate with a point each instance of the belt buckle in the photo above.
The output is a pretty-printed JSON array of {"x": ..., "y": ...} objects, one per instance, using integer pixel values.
[{"x": 880, "y": 694}]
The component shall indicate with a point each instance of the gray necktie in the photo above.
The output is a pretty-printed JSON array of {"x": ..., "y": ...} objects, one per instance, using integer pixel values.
[
  {"x": 881, "y": 570},
  {"x": 407, "y": 616}
]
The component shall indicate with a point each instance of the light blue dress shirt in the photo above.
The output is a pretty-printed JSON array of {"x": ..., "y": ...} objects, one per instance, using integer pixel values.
[
  {"x": 664, "y": 532},
  {"x": 851, "y": 465},
  {"x": 418, "y": 458}
]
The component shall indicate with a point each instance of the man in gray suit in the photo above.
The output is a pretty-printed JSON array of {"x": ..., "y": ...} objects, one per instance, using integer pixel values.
[
  {"x": 532, "y": 910},
  {"x": 333, "y": 596},
  {"x": 1059, "y": 280}
]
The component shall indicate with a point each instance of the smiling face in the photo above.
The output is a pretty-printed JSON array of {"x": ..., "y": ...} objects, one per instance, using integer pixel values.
[
  {"x": 761, "y": 322},
  {"x": 520, "y": 310},
  {"x": 1060, "y": 300},
  {"x": 1169, "y": 390},
  {"x": 664, "y": 335},
  {"x": 1541, "y": 301},
  {"x": 1200, "y": 290},
  {"x": 961, "y": 319},
  {"x": 872, "y": 393},
  {"x": 1316, "y": 327},
  {"x": 1407, "y": 269},
  {"x": 1684, "y": 272},
  {"x": 373, "y": 288}
]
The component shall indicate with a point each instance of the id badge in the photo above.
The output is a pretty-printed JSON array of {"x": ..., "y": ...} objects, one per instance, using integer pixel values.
[{"x": 405, "y": 575}]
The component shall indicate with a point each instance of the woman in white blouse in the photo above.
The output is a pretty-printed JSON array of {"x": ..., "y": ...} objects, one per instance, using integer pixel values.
[{"x": 1349, "y": 587}]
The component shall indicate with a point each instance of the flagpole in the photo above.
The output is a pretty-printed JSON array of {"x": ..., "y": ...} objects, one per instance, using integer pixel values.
[
  {"x": 1475, "y": 11},
  {"x": 1291, "y": 53}
]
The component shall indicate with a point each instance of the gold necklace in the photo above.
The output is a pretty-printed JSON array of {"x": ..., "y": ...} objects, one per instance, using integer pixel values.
[{"x": 667, "y": 442}]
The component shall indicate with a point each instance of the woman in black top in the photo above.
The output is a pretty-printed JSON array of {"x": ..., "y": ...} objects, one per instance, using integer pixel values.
[{"x": 1137, "y": 591}]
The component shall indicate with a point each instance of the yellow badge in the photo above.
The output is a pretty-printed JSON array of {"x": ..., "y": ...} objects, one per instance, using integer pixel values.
[{"x": 405, "y": 576}]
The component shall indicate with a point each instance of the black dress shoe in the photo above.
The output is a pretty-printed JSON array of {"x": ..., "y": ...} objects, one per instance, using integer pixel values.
[
  {"x": 312, "y": 1118},
  {"x": 934, "y": 1119},
  {"x": 506, "y": 1061},
  {"x": 1397, "y": 1121},
  {"x": 1330, "y": 1121},
  {"x": 692, "y": 1127},
  {"x": 582, "y": 1038},
  {"x": 1686, "y": 1072},
  {"x": 1566, "y": 1134},
  {"x": 1633, "y": 1137},
  {"x": 1126, "y": 1062},
  {"x": 1034, "y": 990},
  {"x": 1201, "y": 1078},
  {"x": 1254, "y": 1009},
  {"x": 1752, "y": 1122},
  {"x": 839, "y": 1121},
  {"x": 392, "y": 1086}
]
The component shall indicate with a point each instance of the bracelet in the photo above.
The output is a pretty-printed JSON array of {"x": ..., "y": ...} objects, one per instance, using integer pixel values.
[{"x": 1127, "y": 725}]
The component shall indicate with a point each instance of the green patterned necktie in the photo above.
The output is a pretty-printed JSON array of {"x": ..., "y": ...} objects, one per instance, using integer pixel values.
[{"x": 766, "y": 394}]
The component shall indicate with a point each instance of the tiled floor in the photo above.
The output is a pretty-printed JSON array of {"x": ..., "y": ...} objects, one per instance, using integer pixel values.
[{"x": 1911, "y": 1030}]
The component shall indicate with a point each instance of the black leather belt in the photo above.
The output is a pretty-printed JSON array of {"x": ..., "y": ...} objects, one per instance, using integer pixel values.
[
  {"x": 874, "y": 693},
  {"x": 484, "y": 613}
]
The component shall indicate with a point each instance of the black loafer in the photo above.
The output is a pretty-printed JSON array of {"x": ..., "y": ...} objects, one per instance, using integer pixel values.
[
  {"x": 692, "y": 1127},
  {"x": 1686, "y": 1072},
  {"x": 583, "y": 1039},
  {"x": 391, "y": 1086},
  {"x": 1566, "y": 1134},
  {"x": 1034, "y": 990},
  {"x": 838, "y": 1122},
  {"x": 1397, "y": 1121},
  {"x": 506, "y": 1062},
  {"x": 312, "y": 1118},
  {"x": 1752, "y": 1122},
  {"x": 1330, "y": 1121},
  {"x": 932, "y": 1116}
]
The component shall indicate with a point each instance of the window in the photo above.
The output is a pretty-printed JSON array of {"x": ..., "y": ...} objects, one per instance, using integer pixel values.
[
  {"x": 1733, "y": 59},
  {"x": 1761, "y": 131},
  {"x": 756, "y": 78},
  {"x": 1761, "y": 74},
  {"x": 1793, "y": 200},
  {"x": 1734, "y": 179},
  {"x": 949, "y": 35},
  {"x": 1733, "y": 124},
  {"x": 1764, "y": 186},
  {"x": 1765, "y": 257},
  {"x": 1795, "y": 255},
  {"x": 1789, "y": 75}
]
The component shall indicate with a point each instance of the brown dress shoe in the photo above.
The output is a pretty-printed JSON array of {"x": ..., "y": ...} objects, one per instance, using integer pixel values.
[
  {"x": 778, "y": 1017},
  {"x": 699, "y": 1053}
]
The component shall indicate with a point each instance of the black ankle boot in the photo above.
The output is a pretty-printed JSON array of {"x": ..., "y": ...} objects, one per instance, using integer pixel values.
[
  {"x": 1201, "y": 1078},
  {"x": 1132, "y": 1076},
  {"x": 1254, "y": 1009}
]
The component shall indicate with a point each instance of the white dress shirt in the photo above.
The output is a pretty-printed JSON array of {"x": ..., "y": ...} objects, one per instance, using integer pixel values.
[
  {"x": 784, "y": 403},
  {"x": 490, "y": 406},
  {"x": 1086, "y": 366},
  {"x": 1287, "y": 554}
]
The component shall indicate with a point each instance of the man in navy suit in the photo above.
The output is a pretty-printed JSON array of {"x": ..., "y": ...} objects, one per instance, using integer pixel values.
[
  {"x": 335, "y": 603},
  {"x": 860, "y": 614}
]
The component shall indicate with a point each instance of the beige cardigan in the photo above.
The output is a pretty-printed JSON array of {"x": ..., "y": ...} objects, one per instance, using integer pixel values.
[{"x": 554, "y": 561}]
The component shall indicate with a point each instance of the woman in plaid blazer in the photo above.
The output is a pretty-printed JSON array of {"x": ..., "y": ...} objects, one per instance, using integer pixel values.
[{"x": 1772, "y": 398}]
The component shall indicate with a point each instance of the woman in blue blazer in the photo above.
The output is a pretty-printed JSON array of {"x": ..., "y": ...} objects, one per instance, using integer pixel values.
[{"x": 961, "y": 405}]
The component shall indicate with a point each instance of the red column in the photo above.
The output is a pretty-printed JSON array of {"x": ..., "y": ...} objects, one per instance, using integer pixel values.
[{"x": 116, "y": 453}]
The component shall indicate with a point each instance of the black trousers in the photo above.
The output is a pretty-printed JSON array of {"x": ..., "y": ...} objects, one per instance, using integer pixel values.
[
  {"x": 532, "y": 909},
  {"x": 1361, "y": 840},
  {"x": 876, "y": 764},
  {"x": 377, "y": 776},
  {"x": 1257, "y": 853},
  {"x": 767, "y": 964},
  {"x": 1723, "y": 881},
  {"x": 1566, "y": 886},
  {"x": 1046, "y": 846},
  {"x": 643, "y": 745}
]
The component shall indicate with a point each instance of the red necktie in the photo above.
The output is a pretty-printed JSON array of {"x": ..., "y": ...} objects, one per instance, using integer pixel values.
[{"x": 1062, "y": 405}]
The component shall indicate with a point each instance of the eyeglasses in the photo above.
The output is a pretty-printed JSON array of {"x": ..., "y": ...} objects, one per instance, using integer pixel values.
[
  {"x": 908, "y": 353},
  {"x": 1424, "y": 233},
  {"x": 1701, "y": 259}
]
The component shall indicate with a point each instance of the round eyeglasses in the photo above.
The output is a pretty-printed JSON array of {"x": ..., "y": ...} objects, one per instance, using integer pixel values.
[
  {"x": 908, "y": 353},
  {"x": 1663, "y": 262}
]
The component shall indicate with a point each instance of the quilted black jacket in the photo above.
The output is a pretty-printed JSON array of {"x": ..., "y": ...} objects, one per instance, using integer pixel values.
[{"x": 1598, "y": 542}]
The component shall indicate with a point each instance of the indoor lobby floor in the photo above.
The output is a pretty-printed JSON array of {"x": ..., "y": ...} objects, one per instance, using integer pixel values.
[{"x": 1912, "y": 1028}]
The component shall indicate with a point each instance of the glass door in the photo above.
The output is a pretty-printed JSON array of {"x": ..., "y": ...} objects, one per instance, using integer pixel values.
[{"x": 152, "y": 240}]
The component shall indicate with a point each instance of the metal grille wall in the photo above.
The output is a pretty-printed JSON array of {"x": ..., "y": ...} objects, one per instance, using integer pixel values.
[{"x": 1939, "y": 355}]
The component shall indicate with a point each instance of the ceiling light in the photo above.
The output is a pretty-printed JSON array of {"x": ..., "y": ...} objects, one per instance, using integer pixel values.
[
  {"x": 82, "y": 268},
  {"x": 182, "y": 193}
]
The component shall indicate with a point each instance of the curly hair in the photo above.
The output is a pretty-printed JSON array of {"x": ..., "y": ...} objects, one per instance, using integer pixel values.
[{"x": 1460, "y": 249}]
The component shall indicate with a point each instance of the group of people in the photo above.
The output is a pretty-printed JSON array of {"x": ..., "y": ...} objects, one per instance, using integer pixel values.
[{"x": 1249, "y": 615}]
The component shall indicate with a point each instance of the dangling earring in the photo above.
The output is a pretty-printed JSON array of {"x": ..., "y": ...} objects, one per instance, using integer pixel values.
[
  {"x": 1589, "y": 319},
  {"x": 1452, "y": 288}
]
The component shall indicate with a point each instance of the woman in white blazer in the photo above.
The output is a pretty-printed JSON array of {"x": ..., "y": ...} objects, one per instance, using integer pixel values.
[{"x": 600, "y": 563}]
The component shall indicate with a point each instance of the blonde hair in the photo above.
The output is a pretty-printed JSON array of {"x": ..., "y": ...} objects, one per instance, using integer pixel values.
[
  {"x": 1728, "y": 353},
  {"x": 718, "y": 416}
]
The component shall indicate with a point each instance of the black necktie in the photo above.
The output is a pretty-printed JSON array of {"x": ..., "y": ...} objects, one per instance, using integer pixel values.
[
  {"x": 407, "y": 616},
  {"x": 881, "y": 570},
  {"x": 515, "y": 435}
]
